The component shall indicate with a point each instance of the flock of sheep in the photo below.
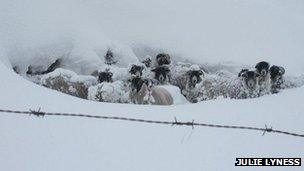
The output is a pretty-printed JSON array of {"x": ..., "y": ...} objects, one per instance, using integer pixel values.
[{"x": 141, "y": 83}]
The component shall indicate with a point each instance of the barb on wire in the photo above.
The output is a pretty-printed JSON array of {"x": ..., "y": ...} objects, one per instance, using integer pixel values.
[
  {"x": 267, "y": 130},
  {"x": 39, "y": 113}
]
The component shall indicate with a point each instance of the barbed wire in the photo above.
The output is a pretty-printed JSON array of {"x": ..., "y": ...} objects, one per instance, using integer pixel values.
[{"x": 192, "y": 124}]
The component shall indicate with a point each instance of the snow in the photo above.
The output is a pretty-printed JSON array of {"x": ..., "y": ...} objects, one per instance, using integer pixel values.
[
  {"x": 62, "y": 143},
  {"x": 71, "y": 76},
  {"x": 219, "y": 34},
  {"x": 209, "y": 31}
]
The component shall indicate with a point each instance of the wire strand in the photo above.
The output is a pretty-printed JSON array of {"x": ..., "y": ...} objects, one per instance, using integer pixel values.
[{"x": 192, "y": 124}]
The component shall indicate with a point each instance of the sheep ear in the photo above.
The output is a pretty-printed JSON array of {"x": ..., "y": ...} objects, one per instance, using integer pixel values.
[
  {"x": 282, "y": 71},
  {"x": 268, "y": 66},
  {"x": 95, "y": 73},
  {"x": 242, "y": 72},
  {"x": 167, "y": 69},
  {"x": 201, "y": 73},
  {"x": 257, "y": 74},
  {"x": 168, "y": 57},
  {"x": 157, "y": 56},
  {"x": 132, "y": 77},
  {"x": 245, "y": 75},
  {"x": 131, "y": 68}
]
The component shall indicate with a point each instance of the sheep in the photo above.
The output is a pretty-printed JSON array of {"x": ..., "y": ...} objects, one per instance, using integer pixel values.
[
  {"x": 276, "y": 77},
  {"x": 215, "y": 85},
  {"x": 141, "y": 93},
  {"x": 68, "y": 82},
  {"x": 110, "y": 58},
  {"x": 162, "y": 74},
  {"x": 114, "y": 73},
  {"x": 211, "y": 87},
  {"x": 163, "y": 59},
  {"x": 245, "y": 86},
  {"x": 186, "y": 78},
  {"x": 147, "y": 62},
  {"x": 262, "y": 68},
  {"x": 136, "y": 70},
  {"x": 105, "y": 76}
]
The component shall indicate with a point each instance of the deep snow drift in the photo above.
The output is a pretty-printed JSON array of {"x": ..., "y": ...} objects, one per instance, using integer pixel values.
[{"x": 209, "y": 31}]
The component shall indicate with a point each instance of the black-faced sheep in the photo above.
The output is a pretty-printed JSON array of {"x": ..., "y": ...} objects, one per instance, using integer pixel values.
[
  {"x": 262, "y": 68},
  {"x": 162, "y": 74},
  {"x": 110, "y": 58},
  {"x": 245, "y": 86},
  {"x": 186, "y": 78},
  {"x": 163, "y": 59},
  {"x": 147, "y": 62},
  {"x": 276, "y": 77},
  {"x": 105, "y": 76},
  {"x": 136, "y": 70}
]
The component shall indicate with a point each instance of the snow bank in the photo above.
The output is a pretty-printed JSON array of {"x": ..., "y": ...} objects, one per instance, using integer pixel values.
[
  {"x": 242, "y": 32},
  {"x": 38, "y": 33}
]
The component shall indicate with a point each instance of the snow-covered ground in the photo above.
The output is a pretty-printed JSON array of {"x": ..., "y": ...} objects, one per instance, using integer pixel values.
[{"x": 234, "y": 33}]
